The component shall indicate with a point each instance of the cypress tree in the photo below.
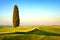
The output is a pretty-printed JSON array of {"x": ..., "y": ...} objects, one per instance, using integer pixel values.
[{"x": 16, "y": 19}]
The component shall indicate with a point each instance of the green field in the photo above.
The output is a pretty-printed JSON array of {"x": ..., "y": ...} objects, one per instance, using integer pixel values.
[{"x": 30, "y": 33}]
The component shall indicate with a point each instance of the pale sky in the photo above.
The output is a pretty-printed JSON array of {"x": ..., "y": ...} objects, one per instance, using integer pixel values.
[{"x": 32, "y": 12}]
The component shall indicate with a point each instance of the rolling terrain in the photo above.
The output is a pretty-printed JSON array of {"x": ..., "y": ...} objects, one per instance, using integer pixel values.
[{"x": 30, "y": 33}]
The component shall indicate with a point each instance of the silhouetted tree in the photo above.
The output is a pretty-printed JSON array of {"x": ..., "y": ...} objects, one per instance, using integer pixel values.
[{"x": 16, "y": 19}]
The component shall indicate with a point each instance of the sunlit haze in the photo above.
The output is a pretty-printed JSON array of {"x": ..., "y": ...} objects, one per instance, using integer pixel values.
[{"x": 31, "y": 12}]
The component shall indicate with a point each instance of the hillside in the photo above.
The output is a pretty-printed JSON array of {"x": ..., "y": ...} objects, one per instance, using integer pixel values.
[{"x": 30, "y": 33}]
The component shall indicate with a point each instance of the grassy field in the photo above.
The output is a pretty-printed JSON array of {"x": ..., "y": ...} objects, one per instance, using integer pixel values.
[{"x": 30, "y": 33}]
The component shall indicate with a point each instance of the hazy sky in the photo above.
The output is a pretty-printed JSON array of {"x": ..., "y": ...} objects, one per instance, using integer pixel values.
[{"x": 32, "y": 12}]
